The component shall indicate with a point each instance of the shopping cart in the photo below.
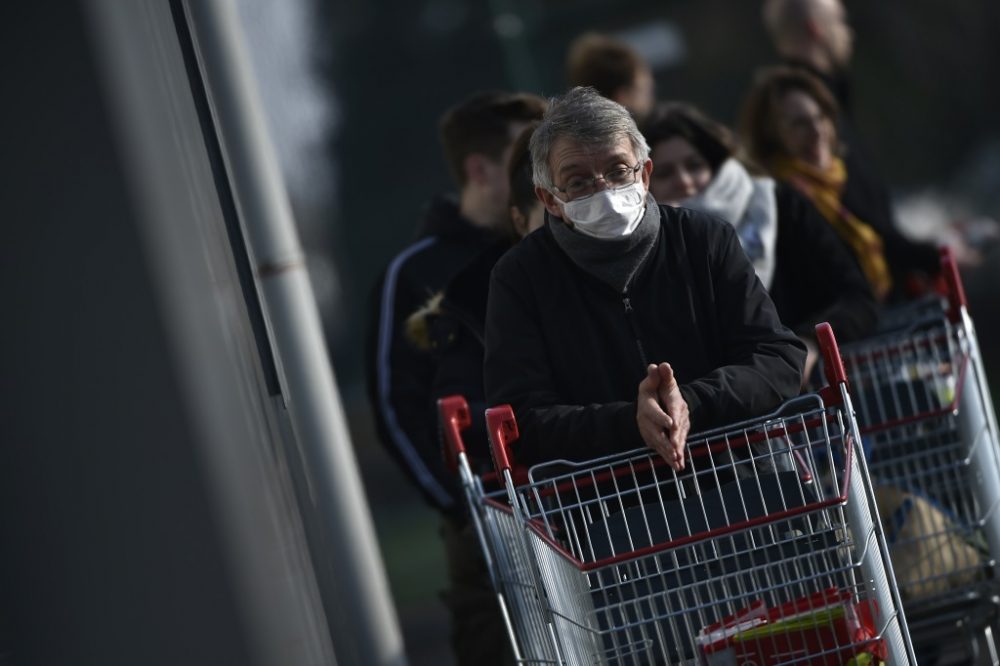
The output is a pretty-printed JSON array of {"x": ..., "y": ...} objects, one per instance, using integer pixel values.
[
  {"x": 767, "y": 549},
  {"x": 930, "y": 434},
  {"x": 499, "y": 534}
]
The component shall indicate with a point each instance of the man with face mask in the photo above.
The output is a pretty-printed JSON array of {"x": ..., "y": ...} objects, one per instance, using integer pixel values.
[{"x": 624, "y": 323}]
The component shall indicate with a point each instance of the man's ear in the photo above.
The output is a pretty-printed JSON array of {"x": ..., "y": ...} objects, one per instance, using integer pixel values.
[
  {"x": 519, "y": 221},
  {"x": 475, "y": 168},
  {"x": 646, "y": 172},
  {"x": 813, "y": 29},
  {"x": 549, "y": 201},
  {"x": 622, "y": 95}
]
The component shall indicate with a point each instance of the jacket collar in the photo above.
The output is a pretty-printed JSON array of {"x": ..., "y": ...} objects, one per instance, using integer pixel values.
[{"x": 442, "y": 218}]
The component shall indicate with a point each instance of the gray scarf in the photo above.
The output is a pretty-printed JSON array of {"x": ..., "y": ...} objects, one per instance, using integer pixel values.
[{"x": 615, "y": 260}]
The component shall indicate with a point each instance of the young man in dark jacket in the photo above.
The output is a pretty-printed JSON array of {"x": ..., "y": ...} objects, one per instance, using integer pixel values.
[
  {"x": 624, "y": 323},
  {"x": 476, "y": 135}
]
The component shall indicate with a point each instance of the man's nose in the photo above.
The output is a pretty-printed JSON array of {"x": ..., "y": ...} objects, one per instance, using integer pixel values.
[{"x": 600, "y": 183}]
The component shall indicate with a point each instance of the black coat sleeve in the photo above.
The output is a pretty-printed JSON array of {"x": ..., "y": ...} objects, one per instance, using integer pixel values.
[
  {"x": 762, "y": 360},
  {"x": 518, "y": 372},
  {"x": 817, "y": 277},
  {"x": 399, "y": 380}
]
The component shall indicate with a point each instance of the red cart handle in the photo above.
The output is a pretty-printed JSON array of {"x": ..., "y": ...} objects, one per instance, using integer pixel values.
[
  {"x": 454, "y": 417},
  {"x": 502, "y": 429},
  {"x": 952, "y": 289},
  {"x": 833, "y": 364}
]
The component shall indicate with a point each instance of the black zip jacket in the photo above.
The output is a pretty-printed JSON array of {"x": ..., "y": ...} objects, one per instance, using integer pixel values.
[
  {"x": 816, "y": 276},
  {"x": 568, "y": 352},
  {"x": 400, "y": 375}
]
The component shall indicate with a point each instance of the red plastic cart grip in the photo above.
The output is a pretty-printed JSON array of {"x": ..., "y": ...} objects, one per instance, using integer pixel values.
[
  {"x": 833, "y": 364},
  {"x": 502, "y": 429},
  {"x": 954, "y": 290},
  {"x": 454, "y": 417}
]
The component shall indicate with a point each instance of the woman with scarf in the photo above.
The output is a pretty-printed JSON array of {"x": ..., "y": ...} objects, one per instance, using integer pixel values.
[
  {"x": 809, "y": 274},
  {"x": 789, "y": 126}
]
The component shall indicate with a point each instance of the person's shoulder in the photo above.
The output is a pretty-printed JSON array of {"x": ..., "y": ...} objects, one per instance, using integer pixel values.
[
  {"x": 788, "y": 198},
  {"x": 694, "y": 226},
  {"x": 797, "y": 215},
  {"x": 440, "y": 216},
  {"x": 413, "y": 258},
  {"x": 530, "y": 254},
  {"x": 445, "y": 244}
]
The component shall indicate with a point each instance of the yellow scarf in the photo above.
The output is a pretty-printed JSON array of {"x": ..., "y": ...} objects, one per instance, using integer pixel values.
[{"x": 824, "y": 188}]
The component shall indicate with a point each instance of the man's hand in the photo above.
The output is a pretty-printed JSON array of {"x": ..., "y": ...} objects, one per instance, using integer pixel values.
[{"x": 662, "y": 414}]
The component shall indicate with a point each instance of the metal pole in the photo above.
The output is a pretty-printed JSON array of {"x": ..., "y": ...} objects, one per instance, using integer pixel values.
[
  {"x": 168, "y": 174},
  {"x": 364, "y": 626}
]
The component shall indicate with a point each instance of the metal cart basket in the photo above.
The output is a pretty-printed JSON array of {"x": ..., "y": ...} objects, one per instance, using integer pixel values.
[{"x": 930, "y": 435}]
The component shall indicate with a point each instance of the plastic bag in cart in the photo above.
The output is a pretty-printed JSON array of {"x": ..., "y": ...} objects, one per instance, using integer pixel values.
[
  {"x": 825, "y": 629},
  {"x": 929, "y": 554}
]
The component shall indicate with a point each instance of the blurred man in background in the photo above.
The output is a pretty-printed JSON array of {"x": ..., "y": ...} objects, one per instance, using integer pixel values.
[
  {"x": 814, "y": 35},
  {"x": 614, "y": 69},
  {"x": 477, "y": 136}
]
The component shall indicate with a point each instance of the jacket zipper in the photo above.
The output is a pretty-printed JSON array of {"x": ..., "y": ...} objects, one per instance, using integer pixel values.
[{"x": 635, "y": 329}]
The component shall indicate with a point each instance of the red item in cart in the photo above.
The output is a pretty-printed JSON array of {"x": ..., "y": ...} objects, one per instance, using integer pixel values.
[{"x": 825, "y": 629}]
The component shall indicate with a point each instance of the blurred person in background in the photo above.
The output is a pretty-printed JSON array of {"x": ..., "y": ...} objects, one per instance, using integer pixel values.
[
  {"x": 788, "y": 125},
  {"x": 451, "y": 323},
  {"x": 450, "y": 326},
  {"x": 814, "y": 35},
  {"x": 622, "y": 323},
  {"x": 476, "y": 135},
  {"x": 614, "y": 69},
  {"x": 809, "y": 273}
]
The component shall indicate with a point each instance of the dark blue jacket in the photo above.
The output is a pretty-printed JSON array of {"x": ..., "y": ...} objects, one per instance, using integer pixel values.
[{"x": 401, "y": 376}]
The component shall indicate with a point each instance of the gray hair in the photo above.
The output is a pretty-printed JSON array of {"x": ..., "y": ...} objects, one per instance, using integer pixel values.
[{"x": 584, "y": 116}]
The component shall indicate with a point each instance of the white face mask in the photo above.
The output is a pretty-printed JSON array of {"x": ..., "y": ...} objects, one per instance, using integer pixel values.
[{"x": 610, "y": 213}]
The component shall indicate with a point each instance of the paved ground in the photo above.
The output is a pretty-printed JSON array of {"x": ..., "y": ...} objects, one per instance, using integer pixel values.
[{"x": 407, "y": 532}]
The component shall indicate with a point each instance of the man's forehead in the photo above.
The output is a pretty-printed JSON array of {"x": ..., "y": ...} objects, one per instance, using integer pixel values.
[{"x": 567, "y": 152}]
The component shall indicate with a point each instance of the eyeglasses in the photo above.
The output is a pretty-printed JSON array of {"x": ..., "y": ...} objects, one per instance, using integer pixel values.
[{"x": 579, "y": 187}]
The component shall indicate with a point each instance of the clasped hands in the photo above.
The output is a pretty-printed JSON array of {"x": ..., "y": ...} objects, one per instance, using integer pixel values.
[{"x": 662, "y": 414}]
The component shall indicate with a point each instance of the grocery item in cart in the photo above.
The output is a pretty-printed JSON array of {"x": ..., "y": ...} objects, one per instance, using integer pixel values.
[
  {"x": 828, "y": 628},
  {"x": 926, "y": 547}
]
